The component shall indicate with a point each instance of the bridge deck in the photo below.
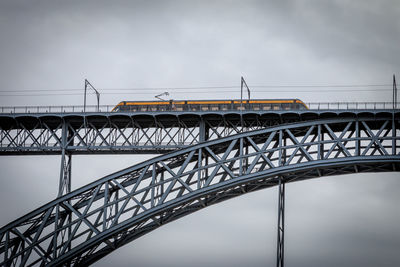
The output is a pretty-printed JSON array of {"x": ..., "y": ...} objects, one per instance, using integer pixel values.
[
  {"x": 145, "y": 132},
  {"x": 190, "y": 118}
]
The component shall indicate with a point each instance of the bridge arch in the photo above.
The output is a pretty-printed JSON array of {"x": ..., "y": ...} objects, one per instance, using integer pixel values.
[{"x": 92, "y": 221}]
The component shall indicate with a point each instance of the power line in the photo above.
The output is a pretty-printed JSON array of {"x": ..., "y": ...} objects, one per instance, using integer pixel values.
[
  {"x": 199, "y": 88},
  {"x": 204, "y": 92},
  {"x": 125, "y": 89}
]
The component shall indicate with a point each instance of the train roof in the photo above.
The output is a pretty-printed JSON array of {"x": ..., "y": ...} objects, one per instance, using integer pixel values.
[{"x": 199, "y": 100}]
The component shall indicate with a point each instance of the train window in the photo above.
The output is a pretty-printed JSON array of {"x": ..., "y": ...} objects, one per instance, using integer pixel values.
[
  {"x": 179, "y": 107},
  {"x": 194, "y": 107},
  {"x": 214, "y": 107},
  {"x": 276, "y": 107},
  {"x": 286, "y": 106},
  {"x": 204, "y": 107},
  {"x": 255, "y": 106},
  {"x": 266, "y": 106},
  {"x": 223, "y": 107}
]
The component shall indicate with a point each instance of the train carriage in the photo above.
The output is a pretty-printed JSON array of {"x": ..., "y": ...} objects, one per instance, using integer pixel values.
[{"x": 210, "y": 105}]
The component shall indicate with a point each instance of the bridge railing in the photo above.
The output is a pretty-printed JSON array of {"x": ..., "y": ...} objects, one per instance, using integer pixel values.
[
  {"x": 56, "y": 109},
  {"x": 109, "y": 108},
  {"x": 349, "y": 105}
]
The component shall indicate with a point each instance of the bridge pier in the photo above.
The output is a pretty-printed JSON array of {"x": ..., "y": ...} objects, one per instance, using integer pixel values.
[
  {"x": 64, "y": 186},
  {"x": 281, "y": 224},
  {"x": 280, "y": 245}
]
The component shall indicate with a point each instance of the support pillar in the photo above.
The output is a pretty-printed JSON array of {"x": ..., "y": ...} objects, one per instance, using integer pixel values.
[
  {"x": 394, "y": 145},
  {"x": 281, "y": 224},
  {"x": 204, "y": 131},
  {"x": 64, "y": 186},
  {"x": 280, "y": 246}
]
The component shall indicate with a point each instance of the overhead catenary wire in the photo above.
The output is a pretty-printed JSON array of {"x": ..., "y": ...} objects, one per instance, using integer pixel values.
[
  {"x": 199, "y": 90},
  {"x": 25, "y": 95},
  {"x": 202, "y": 87},
  {"x": 204, "y": 92}
]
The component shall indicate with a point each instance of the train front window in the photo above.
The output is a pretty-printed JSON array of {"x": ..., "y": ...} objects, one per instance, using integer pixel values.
[{"x": 124, "y": 108}]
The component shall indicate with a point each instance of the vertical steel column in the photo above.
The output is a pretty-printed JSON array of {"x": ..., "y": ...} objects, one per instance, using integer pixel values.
[
  {"x": 241, "y": 171},
  {"x": 65, "y": 174},
  {"x": 281, "y": 205},
  {"x": 204, "y": 136},
  {"x": 66, "y": 161},
  {"x": 281, "y": 224},
  {"x": 202, "y": 131},
  {"x": 65, "y": 182},
  {"x": 393, "y": 116},
  {"x": 394, "y": 92},
  {"x": 358, "y": 141}
]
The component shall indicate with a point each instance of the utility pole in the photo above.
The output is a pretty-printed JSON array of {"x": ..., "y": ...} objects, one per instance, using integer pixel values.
[
  {"x": 394, "y": 92},
  {"x": 88, "y": 85},
  {"x": 242, "y": 82}
]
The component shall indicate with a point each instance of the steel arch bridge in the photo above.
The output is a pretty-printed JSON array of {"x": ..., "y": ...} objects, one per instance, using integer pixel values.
[{"x": 87, "y": 224}]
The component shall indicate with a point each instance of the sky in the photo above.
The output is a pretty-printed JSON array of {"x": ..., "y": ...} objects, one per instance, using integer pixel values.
[{"x": 133, "y": 50}]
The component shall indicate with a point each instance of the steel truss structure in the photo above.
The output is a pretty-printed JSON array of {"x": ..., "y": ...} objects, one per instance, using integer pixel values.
[
  {"x": 90, "y": 133},
  {"x": 85, "y": 225}
]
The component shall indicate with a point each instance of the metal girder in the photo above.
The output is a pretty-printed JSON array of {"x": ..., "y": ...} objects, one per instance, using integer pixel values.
[
  {"x": 111, "y": 133},
  {"x": 85, "y": 225},
  {"x": 281, "y": 224}
]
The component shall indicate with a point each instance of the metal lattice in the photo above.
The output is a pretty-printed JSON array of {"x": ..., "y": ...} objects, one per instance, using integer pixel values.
[
  {"x": 109, "y": 133},
  {"x": 87, "y": 224}
]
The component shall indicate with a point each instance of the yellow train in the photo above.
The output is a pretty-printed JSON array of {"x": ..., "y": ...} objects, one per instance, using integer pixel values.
[{"x": 210, "y": 105}]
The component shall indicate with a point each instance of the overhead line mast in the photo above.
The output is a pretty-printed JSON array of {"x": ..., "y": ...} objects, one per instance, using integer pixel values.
[{"x": 394, "y": 92}]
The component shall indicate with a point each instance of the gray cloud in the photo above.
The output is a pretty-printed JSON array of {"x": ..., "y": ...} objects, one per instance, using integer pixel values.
[{"x": 179, "y": 43}]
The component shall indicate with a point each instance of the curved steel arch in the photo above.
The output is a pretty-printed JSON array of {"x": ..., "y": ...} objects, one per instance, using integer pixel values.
[{"x": 90, "y": 222}]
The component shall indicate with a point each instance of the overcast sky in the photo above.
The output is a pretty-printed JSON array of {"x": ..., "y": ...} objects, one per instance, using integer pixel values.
[{"x": 333, "y": 221}]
